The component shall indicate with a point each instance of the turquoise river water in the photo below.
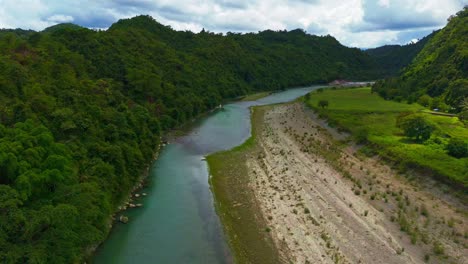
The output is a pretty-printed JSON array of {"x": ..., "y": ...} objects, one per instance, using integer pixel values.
[{"x": 178, "y": 221}]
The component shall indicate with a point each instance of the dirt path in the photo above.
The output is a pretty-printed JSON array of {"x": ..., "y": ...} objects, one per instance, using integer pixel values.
[{"x": 323, "y": 204}]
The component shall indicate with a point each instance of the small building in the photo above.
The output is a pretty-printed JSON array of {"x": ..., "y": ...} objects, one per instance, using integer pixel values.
[{"x": 338, "y": 82}]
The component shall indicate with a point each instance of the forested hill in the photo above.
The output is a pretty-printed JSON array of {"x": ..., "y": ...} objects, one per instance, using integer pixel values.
[
  {"x": 393, "y": 58},
  {"x": 82, "y": 112},
  {"x": 440, "y": 70}
]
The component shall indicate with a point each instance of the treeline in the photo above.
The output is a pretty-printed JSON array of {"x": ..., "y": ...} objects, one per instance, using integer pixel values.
[
  {"x": 82, "y": 111},
  {"x": 438, "y": 76}
]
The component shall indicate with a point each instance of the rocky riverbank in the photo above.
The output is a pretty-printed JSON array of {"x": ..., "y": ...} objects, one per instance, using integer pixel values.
[
  {"x": 320, "y": 201},
  {"x": 131, "y": 200}
]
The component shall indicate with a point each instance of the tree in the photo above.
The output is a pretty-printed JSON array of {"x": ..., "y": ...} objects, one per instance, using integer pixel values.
[
  {"x": 415, "y": 126},
  {"x": 456, "y": 94},
  {"x": 438, "y": 103},
  {"x": 361, "y": 135},
  {"x": 464, "y": 104},
  {"x": 323, "y": 103},
  {"x": 425, "y": 100},
  {"x": 463, "y": 115},
  {"x": 457, "y": 148}
]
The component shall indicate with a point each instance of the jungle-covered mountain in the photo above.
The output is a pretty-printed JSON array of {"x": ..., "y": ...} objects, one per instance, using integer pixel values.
[
  {"x": 393, "y": 58},
  {"x": 82, "y": 112},
  {"x": 438, "y": 75}
]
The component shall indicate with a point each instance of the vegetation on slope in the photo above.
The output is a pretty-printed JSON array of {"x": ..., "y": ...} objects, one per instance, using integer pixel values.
[
  {"x": 440, "y": 70},
  {"x": 373, "y": 120},
  {"x": 82, "y": 112}
]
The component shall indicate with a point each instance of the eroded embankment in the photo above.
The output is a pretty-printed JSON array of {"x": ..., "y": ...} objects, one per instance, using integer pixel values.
[{"x": 293, "y": 192}]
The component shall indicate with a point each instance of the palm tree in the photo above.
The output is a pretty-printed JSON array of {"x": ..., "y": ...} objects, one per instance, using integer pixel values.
[
  {"x": 464, "y": 112},
  {"x": 464, "y": 104}
]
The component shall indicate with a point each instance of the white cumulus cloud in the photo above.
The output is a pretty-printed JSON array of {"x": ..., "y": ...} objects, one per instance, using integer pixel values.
[
  {"x": 60, "y": 19},
  {"x": 360, "y": 23}
]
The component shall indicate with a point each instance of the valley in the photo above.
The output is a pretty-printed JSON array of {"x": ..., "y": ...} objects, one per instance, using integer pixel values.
[{"x": 250, "y": 156}]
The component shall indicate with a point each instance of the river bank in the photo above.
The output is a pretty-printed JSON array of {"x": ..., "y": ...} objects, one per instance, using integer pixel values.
[
  {"x": 178, "y": 222},
  {"x": 236, "y": 204},
  {"x": 294, "y": 193},
  {"x": 126, "y": 202}
]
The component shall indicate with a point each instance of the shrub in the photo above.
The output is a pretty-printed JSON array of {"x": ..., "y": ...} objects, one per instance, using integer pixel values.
[
  {"x": 427, "y": 257},
  {"x": 368, "y": 151},
  {"x": 438, "y": 103},
  {"x": 438, "y": 248},
  {"x": 424, "y": 211},
  {"x": 361, "y": 135},
  {"x": 425, "y": 100},
  {"x": 463, "y": 115},
  {"x": 451, "y": 222},
  {"x": 457, "y": 148},
  {"x": 323, "y": 103}
]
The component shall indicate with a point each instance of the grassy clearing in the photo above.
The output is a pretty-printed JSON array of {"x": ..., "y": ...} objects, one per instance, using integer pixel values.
[
  {"x": 255, "y": 96},
  {"x": 235, "y": 201},
  {"x": 363, "y": 113}
]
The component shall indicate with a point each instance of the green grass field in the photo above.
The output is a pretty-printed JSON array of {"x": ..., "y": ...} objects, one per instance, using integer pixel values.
[{"x": 357, "y": 110}]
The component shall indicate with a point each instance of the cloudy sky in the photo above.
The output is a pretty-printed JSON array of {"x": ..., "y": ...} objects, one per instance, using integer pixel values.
[{"x": 357, "y": 23}]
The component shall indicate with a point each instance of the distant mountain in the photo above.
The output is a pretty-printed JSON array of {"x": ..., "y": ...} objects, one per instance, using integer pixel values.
[
  {"x": 440, "y": 70},
  {"x": 17, "y": 32},
  {"x": 62, "y": 26},
  {"x": 267, "y": 60},
  {"x": 392, "y": 58}
]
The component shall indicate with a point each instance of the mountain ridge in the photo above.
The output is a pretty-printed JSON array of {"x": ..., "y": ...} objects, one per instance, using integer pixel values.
[
  {"x": 394, "y": 58},
  {"x": 440, "y": 70}
]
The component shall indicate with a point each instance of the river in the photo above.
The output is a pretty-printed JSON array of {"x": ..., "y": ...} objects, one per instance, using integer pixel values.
[{"x": 178, "y": 222}]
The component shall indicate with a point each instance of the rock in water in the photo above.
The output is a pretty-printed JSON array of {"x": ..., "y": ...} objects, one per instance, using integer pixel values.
[{"x": 123, "y": 219}]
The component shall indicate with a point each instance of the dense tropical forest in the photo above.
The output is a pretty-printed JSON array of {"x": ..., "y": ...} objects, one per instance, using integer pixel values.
[
  {"x": 83, "y": 111},
  {"x": 438, "y": 76}
]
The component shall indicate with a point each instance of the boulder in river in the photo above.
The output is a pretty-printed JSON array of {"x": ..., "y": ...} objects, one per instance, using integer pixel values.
[
  {"x": 137, "y": 195},
  {"x": 123, "y": 219}
]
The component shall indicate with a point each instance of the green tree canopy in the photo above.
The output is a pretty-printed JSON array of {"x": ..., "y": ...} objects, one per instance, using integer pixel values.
[{"x": 415, "y": 126}]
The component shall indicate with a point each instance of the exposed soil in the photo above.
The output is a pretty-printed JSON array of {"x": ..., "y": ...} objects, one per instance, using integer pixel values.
[{"x": 323, "y": 203}]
